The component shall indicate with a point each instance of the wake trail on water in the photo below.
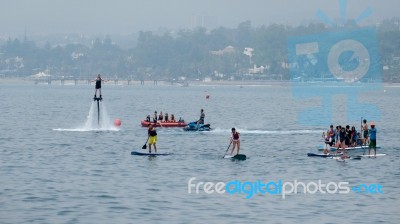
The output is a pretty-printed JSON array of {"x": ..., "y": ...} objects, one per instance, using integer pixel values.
[
  {"x": 267, "y": 132},
  {"x": 92, "y": 123}
]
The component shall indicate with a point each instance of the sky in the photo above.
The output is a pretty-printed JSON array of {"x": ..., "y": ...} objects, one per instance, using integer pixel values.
[{"x": 44, "y": 17}]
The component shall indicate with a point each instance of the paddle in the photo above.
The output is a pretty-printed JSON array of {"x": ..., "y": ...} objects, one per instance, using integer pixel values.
[
  {"x": 145, "y": 144},
  {"x": 227, "y": 148}
]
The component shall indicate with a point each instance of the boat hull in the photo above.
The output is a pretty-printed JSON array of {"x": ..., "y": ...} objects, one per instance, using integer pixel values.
[{"x": 163, "y": 124}]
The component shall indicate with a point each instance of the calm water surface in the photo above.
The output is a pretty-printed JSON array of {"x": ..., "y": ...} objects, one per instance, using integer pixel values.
[{"x": 55, "y": 167}]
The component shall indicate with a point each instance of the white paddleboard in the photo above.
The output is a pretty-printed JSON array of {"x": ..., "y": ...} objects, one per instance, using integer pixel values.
[
  {"x": 339, "y": 158},
  {"x": 372, "y": 155}
]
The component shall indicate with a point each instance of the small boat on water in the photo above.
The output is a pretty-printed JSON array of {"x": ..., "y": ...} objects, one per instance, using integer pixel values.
[
  {"x": 193, "y": 126},
  {"x": 166, "y": 124}
]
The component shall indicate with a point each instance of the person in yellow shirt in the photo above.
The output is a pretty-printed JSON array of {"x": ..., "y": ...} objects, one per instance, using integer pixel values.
[{"x": 152, "y": 133}]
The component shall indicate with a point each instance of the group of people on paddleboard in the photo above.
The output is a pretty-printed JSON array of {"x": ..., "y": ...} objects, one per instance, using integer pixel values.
[{"x": 344, "y": 136}]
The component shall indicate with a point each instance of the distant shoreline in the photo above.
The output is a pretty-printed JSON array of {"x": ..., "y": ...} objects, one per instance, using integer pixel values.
[{"x": 163, "y": 83}]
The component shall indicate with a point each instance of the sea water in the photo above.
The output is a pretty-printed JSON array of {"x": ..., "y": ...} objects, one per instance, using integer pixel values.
[{"x": 58, "y": 165}]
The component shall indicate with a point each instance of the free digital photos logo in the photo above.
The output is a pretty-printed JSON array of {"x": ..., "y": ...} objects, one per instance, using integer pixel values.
[{"x": 282, "y": 188}]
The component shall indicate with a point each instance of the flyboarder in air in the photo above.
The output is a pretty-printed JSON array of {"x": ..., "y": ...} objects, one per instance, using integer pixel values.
[{"x": 98, "y": 87}]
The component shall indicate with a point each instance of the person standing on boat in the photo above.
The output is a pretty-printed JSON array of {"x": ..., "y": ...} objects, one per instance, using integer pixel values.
[
  {"x": 354, "y": 136},
  {"x": 348, "y": 135},
  {"x": 364, "y": 128},
  {"x": 341, "y": 141},
  {"x": 329, "y": 139},
  {"x": 372, "y": 138},
  {"x": 152, "y": 134},
  {"x": 202, "y": 116},
  {"x": 98, "y": 86},
  {"x": 337, "y": 131},
  {"x": 235, "y": 141}
]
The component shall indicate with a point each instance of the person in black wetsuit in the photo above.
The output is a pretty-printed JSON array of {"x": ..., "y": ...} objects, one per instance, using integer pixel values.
[
  {"x": 341, "y": 141},
  {"x": 98, "y": 86},
  {"x": 202, "y": 116}
]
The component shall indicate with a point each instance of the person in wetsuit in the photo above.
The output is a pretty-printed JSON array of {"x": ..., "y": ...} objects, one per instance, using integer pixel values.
[
  {"x": 98, "y": 86},
  {"x": 342, "y": 141}
]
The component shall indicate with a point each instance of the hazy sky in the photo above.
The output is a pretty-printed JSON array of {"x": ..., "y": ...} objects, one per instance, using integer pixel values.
[{"x": 128, "y": 16}]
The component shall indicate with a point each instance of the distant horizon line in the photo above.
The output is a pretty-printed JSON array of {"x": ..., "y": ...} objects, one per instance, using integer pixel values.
[{"x": 163, "y": 30}]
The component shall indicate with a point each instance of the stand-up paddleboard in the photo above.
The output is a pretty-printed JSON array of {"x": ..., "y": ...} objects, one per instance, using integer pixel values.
[
  {"x": 322, "y": 155},
  {"x": 332, "y": 148},
  {"x": 372, "y": 155},
  {"x": 238, "y": 157},
  {"x": 340, "y": 159},
  {"x": 138, "y": 153}
]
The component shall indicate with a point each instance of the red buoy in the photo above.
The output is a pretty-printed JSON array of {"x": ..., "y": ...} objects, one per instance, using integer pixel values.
[{"x": 117, "y": 122}]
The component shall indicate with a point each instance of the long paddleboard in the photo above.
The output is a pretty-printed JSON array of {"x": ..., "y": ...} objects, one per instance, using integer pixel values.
[
  {"x": 372, "y": 155},
  {"x": 322, "y": 155},
  {"x": 332, "y": 148},
  {"x": 138, "y": 153},
  {"x": 340, "y": 159},
  {"x": 238, "y": 157}
]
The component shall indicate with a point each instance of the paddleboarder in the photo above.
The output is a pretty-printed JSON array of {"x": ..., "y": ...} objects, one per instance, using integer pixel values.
[
  {"x": 235, "y": 141},
  {"x": 329, "y": 139},
  {"x": 152, "y": 133},
  {"x": 341, "y": 141},
  {"x": 372, "y": 138},
  {"x": 98, "y": 86},
  {"x": 364, "y": 128}
]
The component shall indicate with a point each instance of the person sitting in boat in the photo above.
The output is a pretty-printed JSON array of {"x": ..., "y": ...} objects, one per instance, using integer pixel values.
[
  {"x": 148, "y": 118},
  {"x": 160, "y": 116},
  {"x": 235, "y": 141},
  {"x": 172, "y": 118},
  {"x": 155, "y": 117},
  {"x": 181, "y": 120},
  {"x": 166, "y": 117},
  {"x": 202, "y": 116}
]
